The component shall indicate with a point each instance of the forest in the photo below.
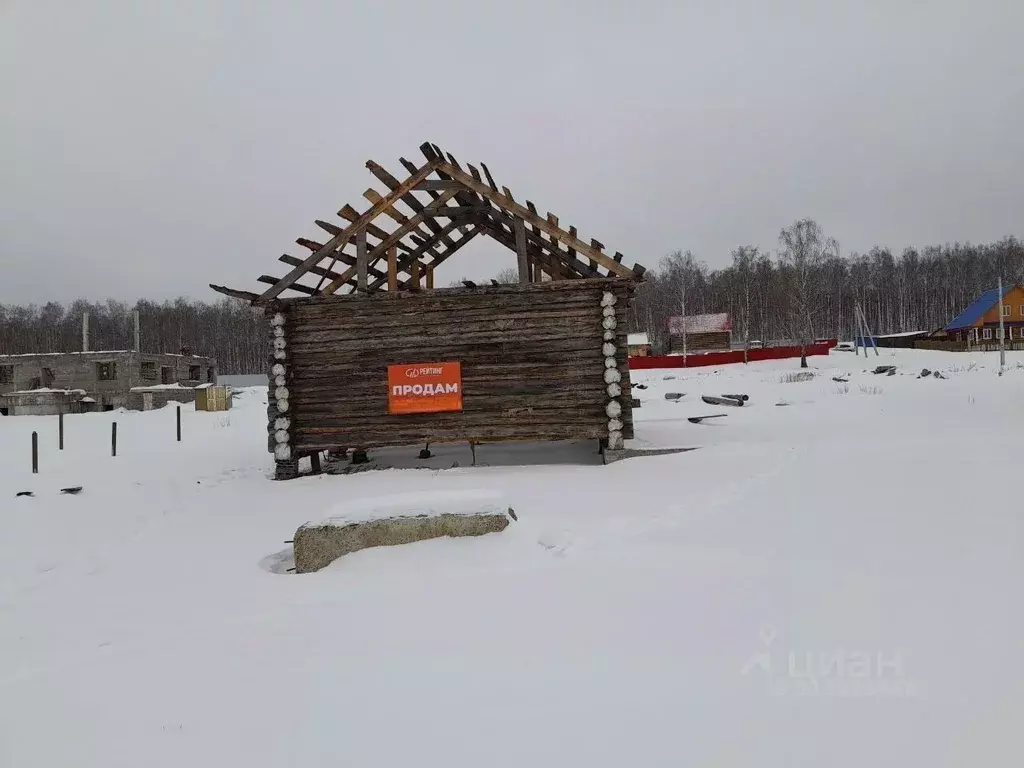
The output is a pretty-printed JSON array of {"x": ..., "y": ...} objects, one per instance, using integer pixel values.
[{"x": 802, "y": 288}]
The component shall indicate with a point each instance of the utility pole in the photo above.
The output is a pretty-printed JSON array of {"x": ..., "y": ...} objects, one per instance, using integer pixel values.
[
  {"x": 1002, "y": 330},
  {"x": 682, "y": 273}
]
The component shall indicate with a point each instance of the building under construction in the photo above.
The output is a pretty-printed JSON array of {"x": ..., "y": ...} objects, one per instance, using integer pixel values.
[{"x": 102, "y": 380}]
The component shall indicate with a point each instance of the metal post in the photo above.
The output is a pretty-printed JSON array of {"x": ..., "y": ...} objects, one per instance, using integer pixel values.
[
  {"x": 35, "y": 453},
  {"x": 179, "y": 423},
  {"x": 113, "y": 438},
  {"x": 60, "y": 431}
]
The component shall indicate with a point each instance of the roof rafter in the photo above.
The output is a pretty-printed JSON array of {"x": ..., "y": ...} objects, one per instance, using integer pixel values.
[
  {"x": 342, "y": 238},
  {"x": 471, "y": 203}
]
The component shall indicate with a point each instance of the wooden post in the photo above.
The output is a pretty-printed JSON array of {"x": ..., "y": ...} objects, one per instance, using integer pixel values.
[
  {"x": 361, "y": 260},
  {"x": 429, "y": 270},
  {"x": 60, "y": 431},
  {"x": 314, "y": 463},
  {"x": 393, "y": 268},
  {"x": 113, "y": 438},
  {"x": 178, "y": 419},
  {"x": 414, "y": 270},
  {"x": 524, "y": 264},
  {"x": 35, "y": 453}
]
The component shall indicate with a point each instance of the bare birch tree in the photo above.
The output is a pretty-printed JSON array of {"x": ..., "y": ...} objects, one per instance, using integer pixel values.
[{"x": 804, "y": 251}]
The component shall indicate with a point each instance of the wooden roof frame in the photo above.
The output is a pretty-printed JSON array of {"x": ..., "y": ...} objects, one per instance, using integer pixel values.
[{"x": 385, "y": 248}]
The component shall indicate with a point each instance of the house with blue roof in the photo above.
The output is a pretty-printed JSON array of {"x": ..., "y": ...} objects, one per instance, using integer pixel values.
[{"x": 979, "y": 323}]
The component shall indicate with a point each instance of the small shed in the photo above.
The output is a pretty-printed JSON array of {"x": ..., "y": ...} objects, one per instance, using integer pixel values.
[
  {"x": 365, "y": 352},
  {"x": 702, "y": 333},
  {"x": 213, "y": 398},
  {"x": 639, "y": 344}
]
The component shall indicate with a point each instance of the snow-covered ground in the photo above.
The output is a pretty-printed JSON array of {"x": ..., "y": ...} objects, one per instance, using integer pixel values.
[{"x": 836, "y": 582}]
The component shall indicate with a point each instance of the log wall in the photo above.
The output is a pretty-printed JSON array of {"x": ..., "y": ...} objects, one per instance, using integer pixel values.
[{"x": 538, "y": 361}]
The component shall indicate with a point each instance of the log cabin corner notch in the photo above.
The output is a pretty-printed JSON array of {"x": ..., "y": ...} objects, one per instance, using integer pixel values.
[{"x": 545, "y": 359}]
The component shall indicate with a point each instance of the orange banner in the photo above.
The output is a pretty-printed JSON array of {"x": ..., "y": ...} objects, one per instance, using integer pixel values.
[{"x": 424, "y": 387}]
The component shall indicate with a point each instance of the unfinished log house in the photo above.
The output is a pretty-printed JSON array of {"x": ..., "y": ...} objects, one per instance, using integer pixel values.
[{"x": 366, "y": 353}]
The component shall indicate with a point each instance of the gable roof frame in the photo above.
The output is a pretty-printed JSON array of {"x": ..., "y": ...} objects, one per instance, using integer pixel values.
[{"x": 470, "y": 205}]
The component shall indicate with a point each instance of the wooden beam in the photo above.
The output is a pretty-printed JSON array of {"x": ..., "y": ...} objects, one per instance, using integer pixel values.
[
  {"x": 555, "y": 232},
  {"x": 293, "y": 287},
  {"x": 415, "y": 273},
  {"x": 408, "y": 198},
  {"x": 563, "y": 263},
  {"x": 397, "y": 216},
  {"x": 392, "y": 268},
  {"x": 405, "y": 263},
  {"x": 465, "y": 196},
  {"x": 337, "y": 256},
  {"x": 293, "y": 261},
  {"x": 326, "y": 226},
  {"x": 361, "y": 261},
  {"x": 429, "y": 270},
  {"x": 234, "y": 293},
  {"x": 533, "y": 249},
  {"x": 351, "y": 214},
  {"x": 490, "y": 179},
  {"x": 450, "y": 212},
  {"x": 524, "y": 264},
  {"x": 437, "y": 185},
  {"x": 395, "y": 236},
  {"x": 339, "y": 239}
]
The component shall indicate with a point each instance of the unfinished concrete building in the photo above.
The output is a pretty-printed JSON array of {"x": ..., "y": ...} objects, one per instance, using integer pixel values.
[{"x": 78, "y": 382}]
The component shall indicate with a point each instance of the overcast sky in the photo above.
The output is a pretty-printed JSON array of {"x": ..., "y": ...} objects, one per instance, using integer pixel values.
[{"x": 150, "y": 147}]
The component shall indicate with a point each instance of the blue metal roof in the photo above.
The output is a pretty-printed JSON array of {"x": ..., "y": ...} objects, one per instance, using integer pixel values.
[{"x": 978, "y": 307}]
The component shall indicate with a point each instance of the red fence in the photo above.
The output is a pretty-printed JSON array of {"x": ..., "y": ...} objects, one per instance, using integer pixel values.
[{"x": 724, "y": 358}]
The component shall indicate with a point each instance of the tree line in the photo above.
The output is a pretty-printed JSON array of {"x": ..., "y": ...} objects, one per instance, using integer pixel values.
[
  {"x": 804, "y": 288},
  {"x": 231, "y": 331}
]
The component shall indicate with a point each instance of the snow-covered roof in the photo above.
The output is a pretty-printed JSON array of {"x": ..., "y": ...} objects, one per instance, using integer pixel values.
[
  {"x": 158, "y": 387},
  {"x": 637, "y": 339},
  {"x": 48, "y": 391},
  {"x": 58, "y": 354},
  {"x": 900, "y": 335},
  {"x": 699, "y": 323},
  {"x": 102, "y": 352}
]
